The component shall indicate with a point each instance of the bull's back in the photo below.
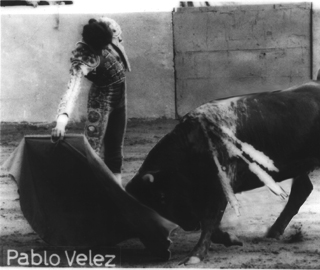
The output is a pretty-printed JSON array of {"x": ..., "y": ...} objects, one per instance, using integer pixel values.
[
  {"x": 280, "y": 120},
  {"x": 285, "y": 126}
]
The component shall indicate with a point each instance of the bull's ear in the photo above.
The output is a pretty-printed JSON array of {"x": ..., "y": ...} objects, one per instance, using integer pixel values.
[{"x": 148, "y": 177}]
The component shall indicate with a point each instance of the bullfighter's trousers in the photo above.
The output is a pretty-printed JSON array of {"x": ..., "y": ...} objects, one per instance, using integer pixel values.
[{"x": 106, "y": 124}]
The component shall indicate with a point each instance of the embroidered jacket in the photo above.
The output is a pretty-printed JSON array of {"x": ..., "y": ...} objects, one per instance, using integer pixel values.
[{"x": 105, "y": 71}]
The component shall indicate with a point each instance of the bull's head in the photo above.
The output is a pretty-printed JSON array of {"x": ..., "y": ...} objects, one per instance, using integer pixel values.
[{"x": 163, "y": 184}]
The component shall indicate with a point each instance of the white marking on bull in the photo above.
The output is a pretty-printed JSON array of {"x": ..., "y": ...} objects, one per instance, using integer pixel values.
[
  {"x": 257, "y": 170},
  {"x": 226, "y": 186},
  {"x": 222, "y": 115},
  {"x": 223, "y": 177},
  {"x": 256, "y": 155},
  {"x": 220, "y": 111}
]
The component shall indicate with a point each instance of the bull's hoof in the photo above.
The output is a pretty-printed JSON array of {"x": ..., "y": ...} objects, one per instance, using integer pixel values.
[
  {"x": 233, "y": 241},
  {"x": 190, "y": 260},
  {"x": 273, "y": 233},
  {"x": 226, "y": 239}
]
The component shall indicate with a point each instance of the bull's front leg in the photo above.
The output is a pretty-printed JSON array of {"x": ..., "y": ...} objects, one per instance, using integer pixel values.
[
  {"x": 300, "y": 190},
  {"x": 220, "y": 237},
  {"x": 209, "y": 223}
]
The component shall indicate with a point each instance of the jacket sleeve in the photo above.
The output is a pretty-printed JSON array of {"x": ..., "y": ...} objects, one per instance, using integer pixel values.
[
  {"x": 81, "y": 56},
  {"x": 69, "y": 98}
]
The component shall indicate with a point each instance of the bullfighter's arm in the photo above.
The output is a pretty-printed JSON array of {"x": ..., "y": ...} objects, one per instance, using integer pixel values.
[
  {"x": 82, "y": 62},
  {"x": 69, "y": 98},
  {"x": 67, "y": 103}
]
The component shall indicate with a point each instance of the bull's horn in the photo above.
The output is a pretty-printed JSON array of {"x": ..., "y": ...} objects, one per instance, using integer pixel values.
[{"x": 148, "y": 177}]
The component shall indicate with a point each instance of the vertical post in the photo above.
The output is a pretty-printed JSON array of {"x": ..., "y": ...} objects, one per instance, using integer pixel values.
[
  {"x": 174, "y": 67},
  {"x": 315, "y": 42}
]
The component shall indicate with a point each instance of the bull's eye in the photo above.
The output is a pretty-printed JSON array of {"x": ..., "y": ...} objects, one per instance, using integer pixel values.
[{"x": 162, "y": 197}]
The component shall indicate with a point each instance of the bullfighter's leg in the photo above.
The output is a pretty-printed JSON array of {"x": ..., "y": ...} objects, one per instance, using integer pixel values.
[
  {"x": 210, "y": 221},
  {"x": 113, "y": 141},
  {"x": 301, "y": 189}
]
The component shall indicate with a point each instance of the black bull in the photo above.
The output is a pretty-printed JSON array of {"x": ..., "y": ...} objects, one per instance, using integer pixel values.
[{"x": 228, "y": 146}]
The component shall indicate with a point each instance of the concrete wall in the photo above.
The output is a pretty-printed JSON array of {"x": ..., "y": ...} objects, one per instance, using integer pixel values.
[
  {"x": 231, "y": 50},
  {"x": 35, "y": 64},
  {"x": 219, "y": 51}
]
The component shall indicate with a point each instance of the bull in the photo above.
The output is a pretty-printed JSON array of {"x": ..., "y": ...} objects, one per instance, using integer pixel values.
[{"x": 228, "y": 146}]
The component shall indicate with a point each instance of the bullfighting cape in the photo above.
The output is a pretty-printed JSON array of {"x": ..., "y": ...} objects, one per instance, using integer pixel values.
[{"x": 71, "y": 198}]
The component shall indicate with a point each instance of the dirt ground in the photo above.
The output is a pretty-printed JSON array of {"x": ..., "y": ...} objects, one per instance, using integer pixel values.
[{"x": 298, "y": 248}]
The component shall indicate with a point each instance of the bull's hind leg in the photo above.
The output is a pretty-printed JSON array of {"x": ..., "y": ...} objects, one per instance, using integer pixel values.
[{"x": 301, "y": 189}]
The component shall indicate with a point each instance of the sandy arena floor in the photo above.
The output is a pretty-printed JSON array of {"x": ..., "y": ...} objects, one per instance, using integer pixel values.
[{"x": 298, "y": 248}]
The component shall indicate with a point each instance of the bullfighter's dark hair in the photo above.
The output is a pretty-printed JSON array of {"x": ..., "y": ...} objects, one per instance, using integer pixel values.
[{"x": 97, "y": 34}]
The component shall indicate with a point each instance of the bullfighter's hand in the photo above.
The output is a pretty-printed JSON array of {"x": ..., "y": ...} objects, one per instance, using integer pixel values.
[{"x": 59, "y": 130}]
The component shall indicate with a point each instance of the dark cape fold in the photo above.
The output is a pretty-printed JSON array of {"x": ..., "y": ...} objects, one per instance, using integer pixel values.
[{"x": 71, "y": 198}]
